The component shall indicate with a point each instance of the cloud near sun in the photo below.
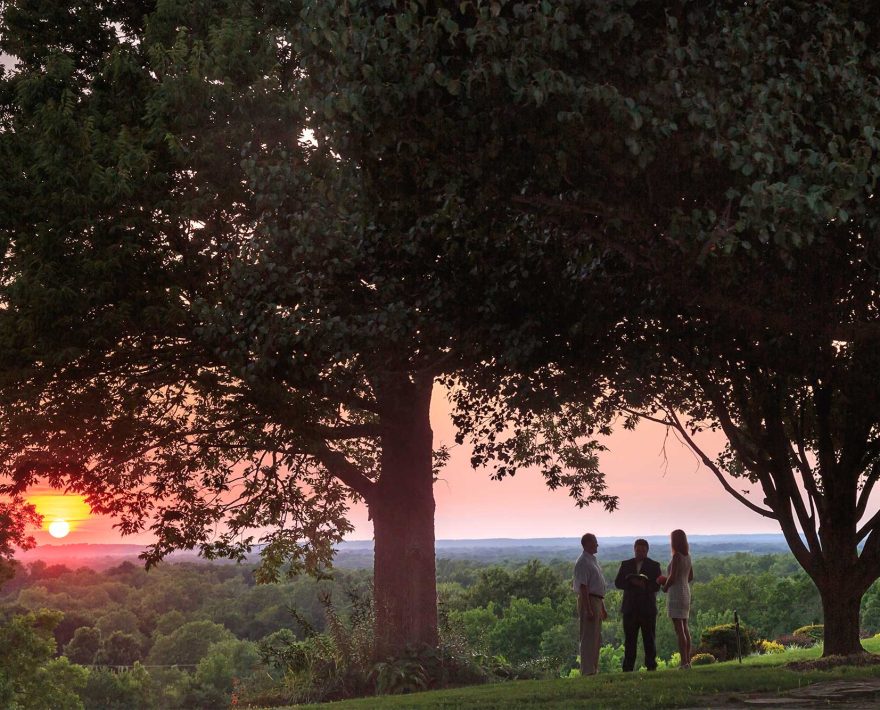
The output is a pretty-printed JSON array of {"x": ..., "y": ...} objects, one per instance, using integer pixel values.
[{"x": 61, "y": 513}]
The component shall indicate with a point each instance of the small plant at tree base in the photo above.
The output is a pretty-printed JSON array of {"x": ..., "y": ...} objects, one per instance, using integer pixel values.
[
  {"x": 401, "y": 675},
  {"x": 765, "y": 646},
  {"x": 702, "y": 659}
]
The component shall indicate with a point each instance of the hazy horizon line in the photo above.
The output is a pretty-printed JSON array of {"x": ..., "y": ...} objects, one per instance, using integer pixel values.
[{"x": 483, "y": 539}]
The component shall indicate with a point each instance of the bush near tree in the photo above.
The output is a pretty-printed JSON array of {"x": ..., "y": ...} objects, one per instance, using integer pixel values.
[
  {"x": 721, "y": 641},
  {"x": 814, "y": 631}
]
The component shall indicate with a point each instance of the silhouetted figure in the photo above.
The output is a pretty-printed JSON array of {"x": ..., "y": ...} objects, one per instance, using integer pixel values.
[
  {"x": 589, "y": 583},
  {"x": 638, "y": 580},
  {"x": 679, "y": 575}
]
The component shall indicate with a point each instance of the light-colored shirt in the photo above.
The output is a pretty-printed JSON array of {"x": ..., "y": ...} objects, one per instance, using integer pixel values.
[{"x": 588, "y": 572}]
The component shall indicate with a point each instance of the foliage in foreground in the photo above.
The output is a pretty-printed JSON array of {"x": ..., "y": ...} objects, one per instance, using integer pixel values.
[{"x": 30, "y": 678}]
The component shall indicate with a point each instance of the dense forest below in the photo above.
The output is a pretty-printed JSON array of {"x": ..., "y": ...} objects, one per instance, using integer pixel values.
[{"x": 207, "y": 635}]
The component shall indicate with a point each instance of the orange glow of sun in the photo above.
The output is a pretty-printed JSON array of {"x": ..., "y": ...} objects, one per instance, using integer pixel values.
[{"x": 61, "y": 513}]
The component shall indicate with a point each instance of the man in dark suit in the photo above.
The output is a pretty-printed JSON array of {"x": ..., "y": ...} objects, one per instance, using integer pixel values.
[{"x": 638, "y": 580}]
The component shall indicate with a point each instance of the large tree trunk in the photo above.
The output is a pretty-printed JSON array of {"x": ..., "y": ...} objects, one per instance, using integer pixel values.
[
  {"x": 840, "y": 607},
  {"x": 839, "y": 575},
  {"x": 402, "y": 508}
]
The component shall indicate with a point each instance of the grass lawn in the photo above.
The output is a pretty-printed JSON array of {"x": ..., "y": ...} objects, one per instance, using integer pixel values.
[{"x": 705, "y": 686}]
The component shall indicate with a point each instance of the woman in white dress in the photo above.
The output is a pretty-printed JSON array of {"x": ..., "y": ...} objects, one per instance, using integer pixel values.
[{"x": 679, "y": 575}]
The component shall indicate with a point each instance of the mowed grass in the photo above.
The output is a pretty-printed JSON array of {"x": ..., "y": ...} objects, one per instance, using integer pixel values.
[{"x": 706, "y": 686}]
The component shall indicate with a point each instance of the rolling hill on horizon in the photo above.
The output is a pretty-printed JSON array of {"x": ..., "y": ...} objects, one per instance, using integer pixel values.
[{"x": 359, "y": 553}]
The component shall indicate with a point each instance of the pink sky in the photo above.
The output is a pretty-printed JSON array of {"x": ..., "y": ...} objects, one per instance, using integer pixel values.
[{"x": 656, "y": 495}]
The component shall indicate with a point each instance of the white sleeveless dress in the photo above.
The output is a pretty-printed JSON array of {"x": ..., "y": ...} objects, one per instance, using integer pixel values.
[{"x": 678, "y": 596}]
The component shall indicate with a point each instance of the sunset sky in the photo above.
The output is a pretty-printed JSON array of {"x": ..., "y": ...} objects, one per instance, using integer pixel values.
[{"x": 656, "y": 495}]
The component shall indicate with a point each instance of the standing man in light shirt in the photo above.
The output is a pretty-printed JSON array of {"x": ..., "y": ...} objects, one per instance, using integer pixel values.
[{"x": 589, "y": 584}]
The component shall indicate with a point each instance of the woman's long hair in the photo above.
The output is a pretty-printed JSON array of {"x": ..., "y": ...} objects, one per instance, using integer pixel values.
[{"x": 679, "y": 542}]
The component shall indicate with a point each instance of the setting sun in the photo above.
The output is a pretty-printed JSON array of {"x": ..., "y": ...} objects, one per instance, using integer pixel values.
[
  {"x": 62, "y": 514},
  {"x": 59, "y": 528}
]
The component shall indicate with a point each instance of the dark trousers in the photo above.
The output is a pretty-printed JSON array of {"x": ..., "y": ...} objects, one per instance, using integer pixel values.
[{"x": 632, "y": 624}]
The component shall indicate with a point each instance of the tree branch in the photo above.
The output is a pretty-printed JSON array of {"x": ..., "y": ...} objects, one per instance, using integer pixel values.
[
  {"x": 780, "y": 449},
  {"x": 647, "y": 417},
  {"x": 343, "y": 469},
  {"x": 676, "y": 424}
]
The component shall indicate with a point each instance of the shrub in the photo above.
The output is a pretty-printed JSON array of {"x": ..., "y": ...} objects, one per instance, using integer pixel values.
[
  {"x": 218, "y": 673},
  {"x": 279, "y": 650},
  {"x": 765, "y": 646},
  {"x": 610, "y": 658},
  {"x": 798, "y": 640},
  {"x": 702, "y": 659},
  {"x": 324, "y": 669},
  {"x": 814, "y": 631},
  {"x": 673, "y": 662},
  {"x": 428, "y": 668},
  {"x": 453, "y": 663},
  {"x": 339, "y": 663},
  {"x": 559, "y": 644},
  {"x": 720, "y": 641}
]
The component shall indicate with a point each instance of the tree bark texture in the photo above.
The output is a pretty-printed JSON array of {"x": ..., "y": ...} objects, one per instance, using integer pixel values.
[
  {"x": 402, "y": 508},
  {"x": 840, "y": 576},
  {"x": 840, "y": 608}
]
